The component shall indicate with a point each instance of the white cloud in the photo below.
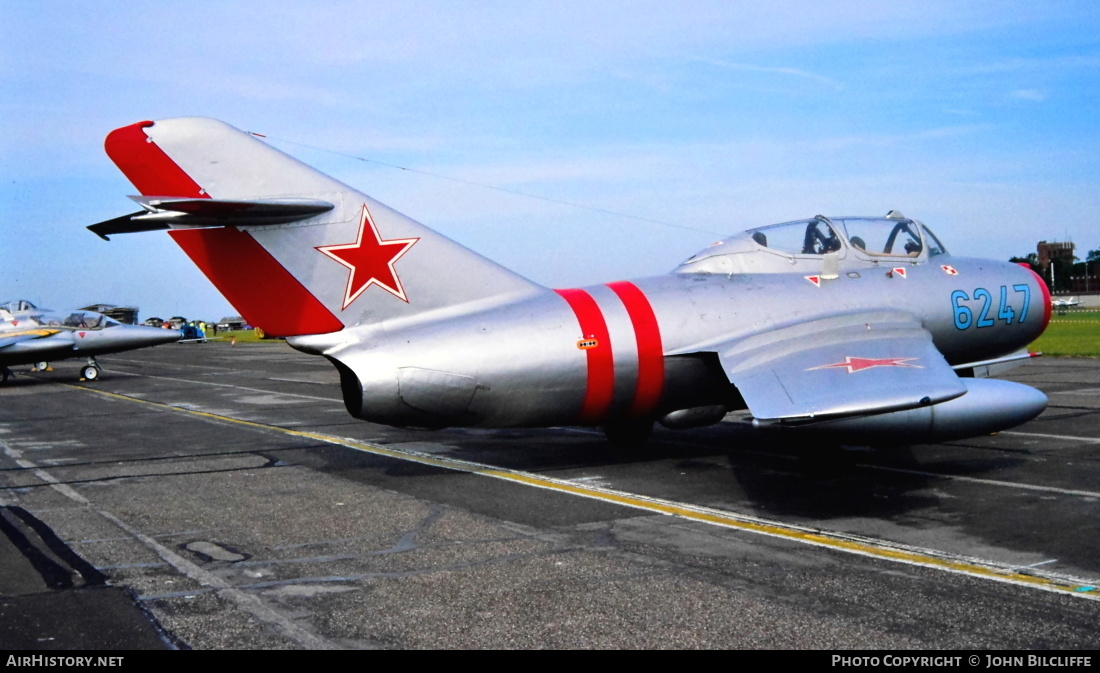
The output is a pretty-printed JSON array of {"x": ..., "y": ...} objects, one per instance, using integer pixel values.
[
  {"x": 775, "y": 70},
  {"x": 1029, "y": 94}
]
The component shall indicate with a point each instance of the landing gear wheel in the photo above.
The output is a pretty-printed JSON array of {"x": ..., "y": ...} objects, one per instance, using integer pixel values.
[
  {"x": 41, "y": 366},
  {"x": 628, "y": 434},
  {"x": 90, "y": 373}
]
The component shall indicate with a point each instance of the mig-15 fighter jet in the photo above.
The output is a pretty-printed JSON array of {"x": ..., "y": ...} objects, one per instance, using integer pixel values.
[{"x": 855, "y": 329}]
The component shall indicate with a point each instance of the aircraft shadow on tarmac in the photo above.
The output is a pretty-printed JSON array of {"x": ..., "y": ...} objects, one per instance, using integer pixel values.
[{"x": 727, "y": 465}]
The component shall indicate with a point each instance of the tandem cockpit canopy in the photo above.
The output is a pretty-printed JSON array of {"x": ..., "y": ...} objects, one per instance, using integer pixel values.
[
  {"x": 803, "y": 245},
  {"x": 44, "y": 317}
]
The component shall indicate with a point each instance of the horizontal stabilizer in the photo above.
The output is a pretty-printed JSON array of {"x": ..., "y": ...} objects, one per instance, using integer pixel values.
[
  {"x": 163, "y": 212},
  {"x": 125, "y": 225}
]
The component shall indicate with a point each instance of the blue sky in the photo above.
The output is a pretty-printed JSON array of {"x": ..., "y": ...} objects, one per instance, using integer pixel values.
[{"x": 980, "y": 119}]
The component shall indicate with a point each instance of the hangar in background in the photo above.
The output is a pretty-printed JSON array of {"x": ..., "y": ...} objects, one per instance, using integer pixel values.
[{"x": 127, "y": 315}]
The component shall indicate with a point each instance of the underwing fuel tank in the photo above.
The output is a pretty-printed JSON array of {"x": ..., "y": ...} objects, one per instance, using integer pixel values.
[{"x": 988, "y": 406}]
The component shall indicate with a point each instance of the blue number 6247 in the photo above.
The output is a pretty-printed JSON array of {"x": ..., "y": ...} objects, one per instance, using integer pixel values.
[{"x": 964, "y": 316}]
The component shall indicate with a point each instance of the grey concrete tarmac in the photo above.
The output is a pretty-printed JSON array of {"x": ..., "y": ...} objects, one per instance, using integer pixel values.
[{"x": 182, "y": 501}]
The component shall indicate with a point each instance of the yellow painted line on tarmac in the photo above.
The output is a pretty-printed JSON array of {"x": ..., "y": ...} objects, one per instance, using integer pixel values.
[{"x": 830, "y": 540}]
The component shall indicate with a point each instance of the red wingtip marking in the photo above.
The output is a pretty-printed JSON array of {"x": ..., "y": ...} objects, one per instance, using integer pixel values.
[
  {"x": 255, "y": 283},
  {"x": 150, "y": 170}
]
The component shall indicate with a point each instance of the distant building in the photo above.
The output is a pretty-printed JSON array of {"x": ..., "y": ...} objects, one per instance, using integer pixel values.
[
  {"x": 1054, "y": 252},
  {"x": 127, "y": 315},
  {"x": 1061, "y": 270},
  {"x": 1055, "y": 263}
]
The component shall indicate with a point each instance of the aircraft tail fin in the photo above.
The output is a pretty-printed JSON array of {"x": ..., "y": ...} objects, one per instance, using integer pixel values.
[{"x": 294, "y": 250}]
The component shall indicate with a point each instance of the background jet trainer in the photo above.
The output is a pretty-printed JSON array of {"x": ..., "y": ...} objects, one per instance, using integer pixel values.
[
  {"x": 29, "y": 335},
  {"x": 860, "y": 329}
]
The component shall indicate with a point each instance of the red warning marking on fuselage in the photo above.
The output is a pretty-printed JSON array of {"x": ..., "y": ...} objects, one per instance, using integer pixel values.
[
  {"x": 815, "y": 280},
  {"x": 898, "y": 271},
  {"x": 585, "y": 344},
  {"x": 949, "y": 270}
]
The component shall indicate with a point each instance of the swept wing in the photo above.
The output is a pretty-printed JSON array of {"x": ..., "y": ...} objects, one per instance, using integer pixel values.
[{"x": 840, "y": 366}]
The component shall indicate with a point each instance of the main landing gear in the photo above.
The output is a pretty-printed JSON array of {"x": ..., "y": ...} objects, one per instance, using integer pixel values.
[{"x": 89, "y": 372}]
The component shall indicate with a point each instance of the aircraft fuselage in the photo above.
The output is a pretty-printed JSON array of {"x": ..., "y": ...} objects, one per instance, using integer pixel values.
[{"x": 615, "y": 352}]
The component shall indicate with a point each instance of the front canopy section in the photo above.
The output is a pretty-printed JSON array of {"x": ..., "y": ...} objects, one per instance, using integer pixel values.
[
  {"x": 819, "y": 242},
  {"x": 24, "y": 314}
]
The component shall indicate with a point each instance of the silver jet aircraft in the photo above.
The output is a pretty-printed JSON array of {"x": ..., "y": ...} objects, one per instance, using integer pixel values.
[
  {"x": 30, "y": 335},
  {"x": 860, "y": 330}
]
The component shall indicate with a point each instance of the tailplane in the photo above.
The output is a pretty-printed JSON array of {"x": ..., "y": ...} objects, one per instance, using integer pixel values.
[{"x": 295, "y": 251}]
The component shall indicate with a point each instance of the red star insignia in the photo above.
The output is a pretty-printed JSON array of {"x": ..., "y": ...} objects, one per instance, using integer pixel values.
[
  {"x": 855, "y": 364},
  {"x": 370, "y": 260}
]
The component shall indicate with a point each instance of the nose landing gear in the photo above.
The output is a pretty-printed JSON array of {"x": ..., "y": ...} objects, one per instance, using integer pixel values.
[{"x": 91, "y": 371}]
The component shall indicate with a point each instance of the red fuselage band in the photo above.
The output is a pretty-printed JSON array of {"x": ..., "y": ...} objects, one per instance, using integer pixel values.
[
  {"x": 650, "y": 381},
  {"x": 651, "y": 355},
  {"x": 601, "y": 364}
]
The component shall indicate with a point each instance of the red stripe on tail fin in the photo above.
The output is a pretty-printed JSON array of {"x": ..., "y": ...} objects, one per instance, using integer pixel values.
[
  {"x": 255, "y": 283},
  {"x": 150, "y": 170}
]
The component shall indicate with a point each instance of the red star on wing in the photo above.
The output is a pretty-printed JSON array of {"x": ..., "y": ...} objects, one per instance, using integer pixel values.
[
  {"x": 370, "y": 260},
  {"x": 856, "y": 364}
]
